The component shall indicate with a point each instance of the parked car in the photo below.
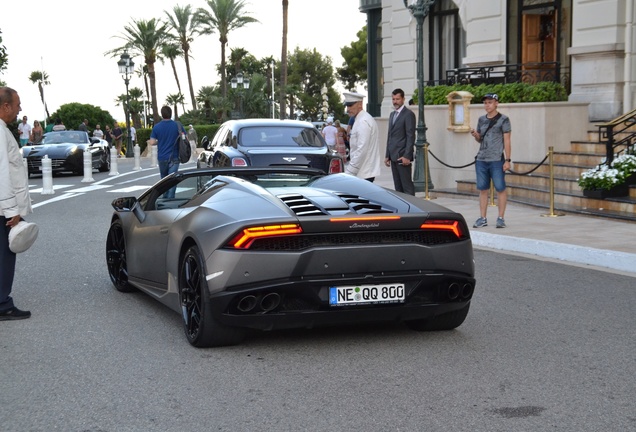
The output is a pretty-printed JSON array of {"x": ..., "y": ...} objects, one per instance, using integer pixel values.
[
  {"x": 269, "y": 142},
  {"x": 273, "y": 248},
  {"x": 66, "y": 151}
]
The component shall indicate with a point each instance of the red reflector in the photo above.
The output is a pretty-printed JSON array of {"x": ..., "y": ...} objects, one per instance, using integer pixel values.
[
  {"x": 246, "y": 237},
  {"x": 239, "y": 162},
  {"x": 444, "y": 225}
]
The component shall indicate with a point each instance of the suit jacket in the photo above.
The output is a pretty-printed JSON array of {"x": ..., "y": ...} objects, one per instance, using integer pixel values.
[{"x": 401, "y": 137}]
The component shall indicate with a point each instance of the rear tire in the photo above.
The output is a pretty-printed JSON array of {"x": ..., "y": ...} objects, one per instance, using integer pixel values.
[
  {"x": 447, "y": 321},
  {"x": 201, "y": 329}
]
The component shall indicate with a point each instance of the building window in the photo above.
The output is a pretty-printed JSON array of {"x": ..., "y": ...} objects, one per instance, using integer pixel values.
[{"x": 447, "y": 40}]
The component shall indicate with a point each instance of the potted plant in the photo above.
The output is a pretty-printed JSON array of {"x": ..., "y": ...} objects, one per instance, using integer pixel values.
[{"x": 605, "y": 181}]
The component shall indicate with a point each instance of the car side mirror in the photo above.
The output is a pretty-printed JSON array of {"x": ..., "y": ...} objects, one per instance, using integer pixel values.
[{"x": 205, "y": 143}]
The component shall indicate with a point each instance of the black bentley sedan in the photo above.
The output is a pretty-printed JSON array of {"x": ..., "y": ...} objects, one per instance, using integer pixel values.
[{"x": 269, "y": 143}]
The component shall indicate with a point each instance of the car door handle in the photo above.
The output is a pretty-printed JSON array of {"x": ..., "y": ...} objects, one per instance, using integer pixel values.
[{"x": 163, "y": 230}]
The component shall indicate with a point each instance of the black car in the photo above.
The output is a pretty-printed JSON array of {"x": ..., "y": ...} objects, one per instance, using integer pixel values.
[
  {"x": 66, "y": 151},
  {"x": 273, "y": 248},
  {"x": 269, "y": 143}
]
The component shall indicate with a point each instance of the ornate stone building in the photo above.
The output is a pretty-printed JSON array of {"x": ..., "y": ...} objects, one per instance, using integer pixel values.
[{"x": 588, "y": 45}]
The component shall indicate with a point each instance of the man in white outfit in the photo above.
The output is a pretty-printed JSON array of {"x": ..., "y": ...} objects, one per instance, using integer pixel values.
[
  {"x": 15, "y": 201},
  {"x": 193, "y": 138},
  {"x": 364, "y": 140}
]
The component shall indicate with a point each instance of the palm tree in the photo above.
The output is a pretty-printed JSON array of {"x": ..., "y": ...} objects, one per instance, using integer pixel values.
[
  {"x": 172, "y": 51},
  {"x": 226, "y": 15},
  {"x": 136, "y": 105},
  {"x": 175, "y": 100},
  {"x": 145, "y": 38},
  {"x": 283, "y": 63},
  {"x": 184, "y": 23},
  {"x": 41, "y": 78}
]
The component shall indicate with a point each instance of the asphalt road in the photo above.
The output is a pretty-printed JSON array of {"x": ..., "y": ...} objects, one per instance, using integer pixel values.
[{"x": 546, "y": 346}]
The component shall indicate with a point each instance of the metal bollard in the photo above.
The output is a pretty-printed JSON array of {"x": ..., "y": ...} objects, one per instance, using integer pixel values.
[
  {"x": 137, "y": 153},
  {"x": 47, "y": 176},
  {"x": 88, "y": 167},
  {"x": 153, "y": 156},
  {"x": 113, "y": 162}
]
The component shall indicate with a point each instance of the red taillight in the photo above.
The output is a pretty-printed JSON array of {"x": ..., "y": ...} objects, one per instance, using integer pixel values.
[
  {"x": 246, "y": 237},
  {"x": 444, "y": 225},
  {"x": 239, "y": 162},
  {"x": 335, "y": 166}
]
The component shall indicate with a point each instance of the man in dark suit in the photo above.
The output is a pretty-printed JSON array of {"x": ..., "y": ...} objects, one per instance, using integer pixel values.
[{"x": 400, "y": 144}]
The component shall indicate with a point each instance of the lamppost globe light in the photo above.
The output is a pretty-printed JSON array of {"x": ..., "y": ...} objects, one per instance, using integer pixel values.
[
  {"x": 241, "y": 82},
  {"x": 126, "y": 68}
]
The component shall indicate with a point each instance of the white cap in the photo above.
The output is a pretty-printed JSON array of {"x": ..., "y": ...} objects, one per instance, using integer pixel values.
[
  {"x": 352, "y": 97},
  {"x": 329, "y": 120},
  {"x": 22, "y": 236}
]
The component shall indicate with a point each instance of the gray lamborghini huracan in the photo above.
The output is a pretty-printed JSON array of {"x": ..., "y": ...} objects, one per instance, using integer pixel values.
[{"x": 272, "y": 248}]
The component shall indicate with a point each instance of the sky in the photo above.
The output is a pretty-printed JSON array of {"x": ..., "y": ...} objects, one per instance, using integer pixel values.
[{"x": 68, "y": 39}]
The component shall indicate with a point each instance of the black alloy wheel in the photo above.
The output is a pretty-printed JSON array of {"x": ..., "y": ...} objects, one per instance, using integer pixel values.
[
  {"x": 201, "y": 329},
  {"x": 116, "y": 257}
]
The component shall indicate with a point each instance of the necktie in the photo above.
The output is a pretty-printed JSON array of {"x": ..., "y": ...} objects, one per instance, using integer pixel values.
[{"x": 395, "y": 115}]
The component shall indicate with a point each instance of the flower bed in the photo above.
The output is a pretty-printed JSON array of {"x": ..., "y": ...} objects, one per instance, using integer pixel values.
[{"x": 614, "y": 177}]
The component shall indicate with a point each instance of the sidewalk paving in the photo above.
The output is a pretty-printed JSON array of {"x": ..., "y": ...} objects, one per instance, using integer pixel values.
[{"x": 605, "y": 244}]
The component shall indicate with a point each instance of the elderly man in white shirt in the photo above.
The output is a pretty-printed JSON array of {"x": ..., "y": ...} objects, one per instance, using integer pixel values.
[
  {"x": 15, "y": 201},
  {"x": 364, "y": 141}
]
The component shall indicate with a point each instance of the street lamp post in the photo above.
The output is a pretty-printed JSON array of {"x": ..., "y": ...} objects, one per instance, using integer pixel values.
[
  {"x": 126, "y": 68},
  {"x": 241, "y": 82},
  {"x": 419, "y": 9}
]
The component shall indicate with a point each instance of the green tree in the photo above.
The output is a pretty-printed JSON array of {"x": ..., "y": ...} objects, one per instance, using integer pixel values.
[
  {"x": 72, "y": 114},
  {"x": 214, "y": 105},
  {"x": 136, "y": 105},
  {"x": 309, "y": 71},
  {"x": 4, "y": 57},
  {"x": 354, "y": 68},
  {"x": 145, "y": 38},
  {"x": 283, "y": 63},
  {"x": 41, "y": 78},
  {"x": 184, "y": 26},
  {"x": 224, "y": 16},
  {"x": 175, "y": 100}
]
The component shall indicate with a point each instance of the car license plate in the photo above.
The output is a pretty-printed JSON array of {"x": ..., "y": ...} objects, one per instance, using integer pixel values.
[{"x": 366, "y": 294}]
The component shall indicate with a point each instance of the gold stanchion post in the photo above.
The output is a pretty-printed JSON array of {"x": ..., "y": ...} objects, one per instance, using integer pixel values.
[
  {"x": 492, "y": 194},
  {"x": 551, "y": 164}
]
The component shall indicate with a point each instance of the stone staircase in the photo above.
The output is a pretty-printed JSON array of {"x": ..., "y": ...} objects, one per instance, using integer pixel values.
[{"x": 534, "y": 189}]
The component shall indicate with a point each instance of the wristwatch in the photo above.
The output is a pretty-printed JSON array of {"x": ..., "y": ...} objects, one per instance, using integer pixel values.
[{"x": 508, "y": 160}]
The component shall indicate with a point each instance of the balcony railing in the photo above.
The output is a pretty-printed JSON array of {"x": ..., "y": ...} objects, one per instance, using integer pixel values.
[
  {"x": 618, "y": 135},
  {"x": 530, "y": 73}
]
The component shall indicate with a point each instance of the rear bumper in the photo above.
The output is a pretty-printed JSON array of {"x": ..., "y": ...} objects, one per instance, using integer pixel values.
[{"x": 305, "y": 304}]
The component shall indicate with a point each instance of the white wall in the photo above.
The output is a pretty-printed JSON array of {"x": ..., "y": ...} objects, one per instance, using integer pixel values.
[{"x": 535, "y": 127}]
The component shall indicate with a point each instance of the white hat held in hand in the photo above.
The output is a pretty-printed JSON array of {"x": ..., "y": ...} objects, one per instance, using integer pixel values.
[{"x": 22, "y": 236}]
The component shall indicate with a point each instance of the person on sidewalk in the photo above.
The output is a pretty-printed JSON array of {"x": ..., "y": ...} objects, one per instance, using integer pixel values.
[
  {"x": 493, "y": 158},
  {"x": 400, "y": 144},
  {"x": 193, "y": 139},
  {"x": 15, "y": 201},
  {"x": 364, "y": 153},
  {"x": 25, "y": 132}
]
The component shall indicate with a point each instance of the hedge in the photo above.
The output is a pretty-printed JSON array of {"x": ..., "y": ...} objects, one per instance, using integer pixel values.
[{"x": 508, "y": 93}]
